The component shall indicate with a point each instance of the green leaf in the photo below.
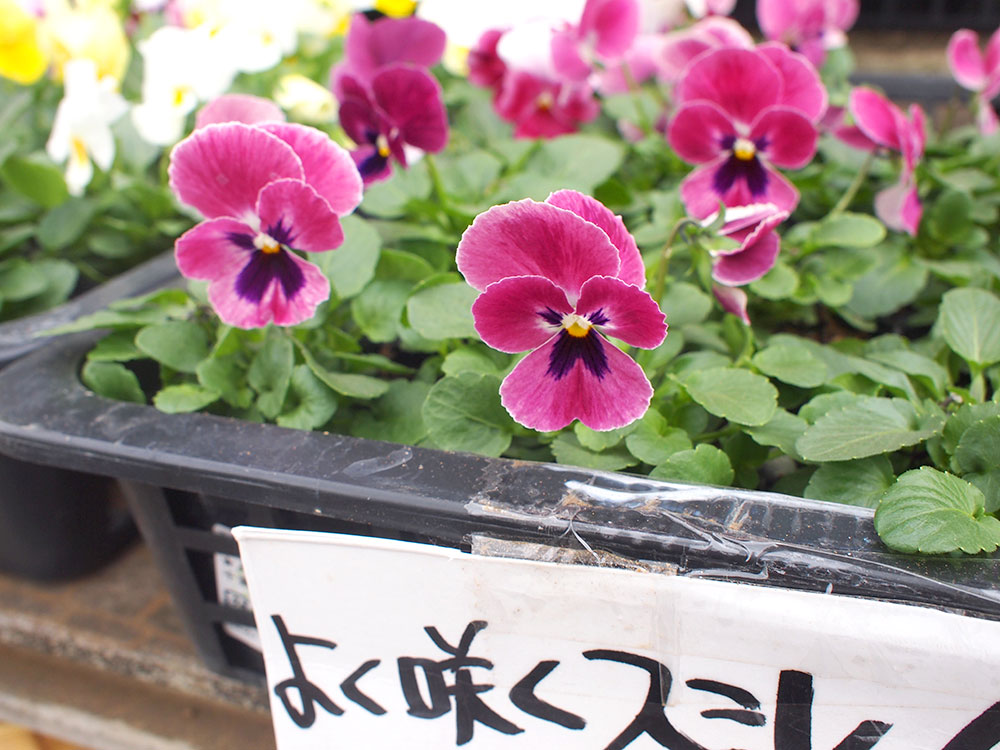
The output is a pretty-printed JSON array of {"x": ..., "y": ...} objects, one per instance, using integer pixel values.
[
  {"x": 316, "y": 403},
  {"x": 470, "y": 175},
  {"x": 35, "y": 177},
  {"x": 988, "y": 483},
  {"x": 685, "y": 303},
  {"x": 969, "y": 320},
  {"x": 568, "y": 450},
  {"x": 737, "y": 395},
  {"x": 848, "y": 230},
  {"x": 706, "y": 464},
  {"x": 390, "y": 198},
  {"x": 112, "y": 380},
  {"x": 781, "y": 432},
  {"x": 894, "y": 282},
  {"x": 118, "y": 346},
  {"x": 21, "y": 280},
  {"x": 924, "y": 369},
  {"x": 345, "y": 383},
  {"x": 867, "y": 428},
  {"x": 653, "y": 440},
  {"x": 352, "y": 265},
  {"x": 270, "y": 373},
  {"x": 949, "y": 217},
  {"x": 599, "y": 440},
  {"x": 63, "y": 225},
  {"x": 226, "y": 376},
  {"x": 463, "y": 412},
  {"x": 443, "y": 311},
  {"x": 578, "y": 162},
  {"x": 963, "y": 419},
  {"x": 470, "y": 359},
  {"x": 932, "y": 512},
  {"x": 178, "y": 344},
  {"x": 979, "y": 447},
  {"x": 397, "y": 416},
  {"x": 184, "y": 398},
  {"x": 825, "y": 403},
  {"x": 379, "y": 308},
  {"x": 791, "y": 364},
  {"x": 778, "y": 283},
  {"x": 861, "y": 482}
]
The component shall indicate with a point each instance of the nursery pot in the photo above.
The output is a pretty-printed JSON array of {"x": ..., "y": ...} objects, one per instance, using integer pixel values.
[
  {"x": 190, "y": 477},
  {"x": 55, "y": 523}
]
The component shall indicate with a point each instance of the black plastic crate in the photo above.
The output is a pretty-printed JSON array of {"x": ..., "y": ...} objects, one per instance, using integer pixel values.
[
  {"x": 57, "y": 524},
  {"x": 188, "y": 476}
]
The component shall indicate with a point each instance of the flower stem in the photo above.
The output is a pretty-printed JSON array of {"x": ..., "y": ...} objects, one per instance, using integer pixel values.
[
  {"x": 440, "y": 194},
  {"x": 664, "y": 262},
  {"x": 636, "y": 91},
  {"x": 854, "y": 187}
]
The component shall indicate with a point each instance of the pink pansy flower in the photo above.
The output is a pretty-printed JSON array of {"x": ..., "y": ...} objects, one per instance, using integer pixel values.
[
  {"x": 540, "y": 107},
  {"x": 705, "y": 8},
  {"x": 556, "y": 279},
  {"x": 264, "y": 190},
  {"x": 402, "y": 107},
  {"x": 977, "y": 73},
  {"x": 606, "y": 31},
  {"x": 753, "y": 227},
  {"x": 880, "y": 123},
  {"x": 371, "y": 46},
  {"x": 243, "y": 108},
  {"x": 486, "y": 69},
  {"x": 740, "y": 111},
  {"x": 809, "y": 26},
  {"x": 680, "y": 48}
]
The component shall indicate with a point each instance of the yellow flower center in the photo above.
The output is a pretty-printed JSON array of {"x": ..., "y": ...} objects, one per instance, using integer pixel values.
[
  {"x": 744, "y": 149},
  {"x": 396, "y": 8},
  {"x": 78, "y": 150},
  {"x": 545, "y": 101},
  {"x": 576, "y": 326},
  {"x": 180, "y": 93},
  {"x": 266, "y": 244},
  {"x": 382, "y": 144}
]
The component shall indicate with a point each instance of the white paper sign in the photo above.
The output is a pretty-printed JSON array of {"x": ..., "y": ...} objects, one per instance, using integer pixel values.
[{"x": 372, "y": 644}]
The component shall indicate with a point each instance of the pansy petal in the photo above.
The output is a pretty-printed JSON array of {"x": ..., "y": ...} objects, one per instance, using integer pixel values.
[
  {"x": 372, "y": 45},
  {"x": 788, "y": 136},
  {"x": 538, "y": 400},
  {"x": 243, "y": 108},
  {"x": 526, "y": 238},
  {"x": 274, "y": 304},
  {"x": 411, "y": 100},
  {"x": 755, "y": 258},
  {"x": 759, "y": 217},
  {"x": 899, "y": 207},
  {"x": 295, "y": 215},
  {"x": 632, "y": 270},
  {"x": 966, "y": 61},
  {"x": 214, "y": 249},
  {"x": 777, "y": 18},
  {"x": 697, "y": 131},
  {"x": 220, "y": 169},
  {"x": 876, "y": 116},
  {"x": 701, "y": 198},
  {"x": 742, "y": 82},
  {"x": 631, "y": 314},
  {"x": 328, "y": 167},
  {"x": 519, "y": 313},
  {"x": 566, "y": 57},
  {"x": 802, "y": 88},
  {"x": 733, "y": 300},
  {"x": 612, "y": 24}
]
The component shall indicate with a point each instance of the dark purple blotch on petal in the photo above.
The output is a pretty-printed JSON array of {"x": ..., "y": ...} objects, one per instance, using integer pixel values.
[
  {"x": 598, "y": 318},
  {"x": 280, "y": 233},
  {"x": 733, "y": 169},
  {"x": 568, "y": 349},
  {"x": 239, "y": 239},
  {"x": 551, "y": 316},
  {"x": 255, "y": 278}
]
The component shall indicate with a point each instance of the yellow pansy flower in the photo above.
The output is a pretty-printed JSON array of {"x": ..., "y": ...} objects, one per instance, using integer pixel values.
[
  {"x": 22, "y": 58},
  {"x": 86, "y": 30}
]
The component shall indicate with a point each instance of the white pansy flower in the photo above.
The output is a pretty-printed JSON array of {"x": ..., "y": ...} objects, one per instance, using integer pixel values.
[
  {"x": 182, "y": 68},
  {"x": 304, "y": 99},
  {"x": 81, "y": 133}
]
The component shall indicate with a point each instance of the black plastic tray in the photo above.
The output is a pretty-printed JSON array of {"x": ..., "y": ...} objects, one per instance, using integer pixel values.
[
  {"x": 58, "y": 524},
  {"x": 187, "y": 474}
]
